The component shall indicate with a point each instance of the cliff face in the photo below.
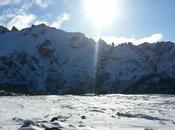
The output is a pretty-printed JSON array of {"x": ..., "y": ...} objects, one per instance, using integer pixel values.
[{"x": 44, "y": 60}]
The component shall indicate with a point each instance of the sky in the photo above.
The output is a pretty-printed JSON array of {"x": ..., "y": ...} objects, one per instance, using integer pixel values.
[{"x": 115, "y": 21}]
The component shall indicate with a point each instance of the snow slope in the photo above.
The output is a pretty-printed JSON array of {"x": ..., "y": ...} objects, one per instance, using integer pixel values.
[
  {"x": 45, "y": 60},
  {"x": 105, "y": 112}
]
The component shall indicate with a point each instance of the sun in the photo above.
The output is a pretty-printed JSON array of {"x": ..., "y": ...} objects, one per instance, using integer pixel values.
[{"x": 100, "y": 12}]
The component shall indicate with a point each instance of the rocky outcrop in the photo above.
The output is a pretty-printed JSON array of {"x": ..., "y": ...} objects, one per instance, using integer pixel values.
[{"x": 45, "y": 49}]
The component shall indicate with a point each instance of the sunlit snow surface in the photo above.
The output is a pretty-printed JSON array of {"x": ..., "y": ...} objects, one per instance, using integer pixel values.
[{"x": 106, "y": 112}]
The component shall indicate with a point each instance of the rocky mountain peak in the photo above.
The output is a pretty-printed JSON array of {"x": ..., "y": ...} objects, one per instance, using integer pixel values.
[
  {"x": 3, "y": 30},
  {"x": 14, "y": 29}
]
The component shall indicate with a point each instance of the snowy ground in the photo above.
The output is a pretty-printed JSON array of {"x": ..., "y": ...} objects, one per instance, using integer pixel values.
[{"x": 109, "y": 112}]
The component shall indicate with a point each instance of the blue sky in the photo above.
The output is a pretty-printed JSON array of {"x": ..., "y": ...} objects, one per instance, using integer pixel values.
[{"x": 137, "y": 20}]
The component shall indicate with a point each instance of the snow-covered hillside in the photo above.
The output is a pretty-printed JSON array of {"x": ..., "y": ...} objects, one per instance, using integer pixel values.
[
  {"x": 45, "y": 60},
  {"x": 105, "y": 112}
]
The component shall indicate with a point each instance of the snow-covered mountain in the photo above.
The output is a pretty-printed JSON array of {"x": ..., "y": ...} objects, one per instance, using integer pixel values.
[{"x": 45, "y": 60}]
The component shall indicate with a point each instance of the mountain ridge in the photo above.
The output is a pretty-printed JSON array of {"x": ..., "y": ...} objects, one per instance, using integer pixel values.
[{"x": 45, "y": 60}]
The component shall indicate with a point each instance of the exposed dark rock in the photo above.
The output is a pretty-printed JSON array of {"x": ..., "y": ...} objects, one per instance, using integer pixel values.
[
  {"x": 81, "y": 125},
  {"x": 143, "y": 116},
  {"x": 45, "y": 49},
  {"x": 113, "y": 116},
  {"x": 78, "y": 40},
  {"x": 42, "y": 25},
  {"x": 27, "y": 123},
  {"x": 152, "y": 84},
  {"x": 3, "y": 30},
  {"x": 148, "y": 129},
  {"x": 59, "y": 118},
  {"x": 14, "y": 29},
  {"x": 83, "y": 117},
  {"x": 54, "y": 119},
  {"x": 4, "y": 93},
  {"x": 53, "y": 128}
]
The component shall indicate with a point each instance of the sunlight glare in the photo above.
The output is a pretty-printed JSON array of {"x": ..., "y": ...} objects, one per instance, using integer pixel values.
[{"x": 100, "y": 12}]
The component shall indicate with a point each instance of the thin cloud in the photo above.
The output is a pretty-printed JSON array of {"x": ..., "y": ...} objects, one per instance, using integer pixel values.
[
  {"x": 40, "y": 3},
  {"x": 7, "y": 2},
  {"x": 40, "y": 22},
  {"x": 58, "y": 23},
  {"x": 21, "y": 21},
  {"x": 10, "y": 16},
  {"x": 10, "y": 13},
  {"x": 19, "y": 16},
  {"x": 43, "y": 3},
  {"x": 118, "y": 40}
]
